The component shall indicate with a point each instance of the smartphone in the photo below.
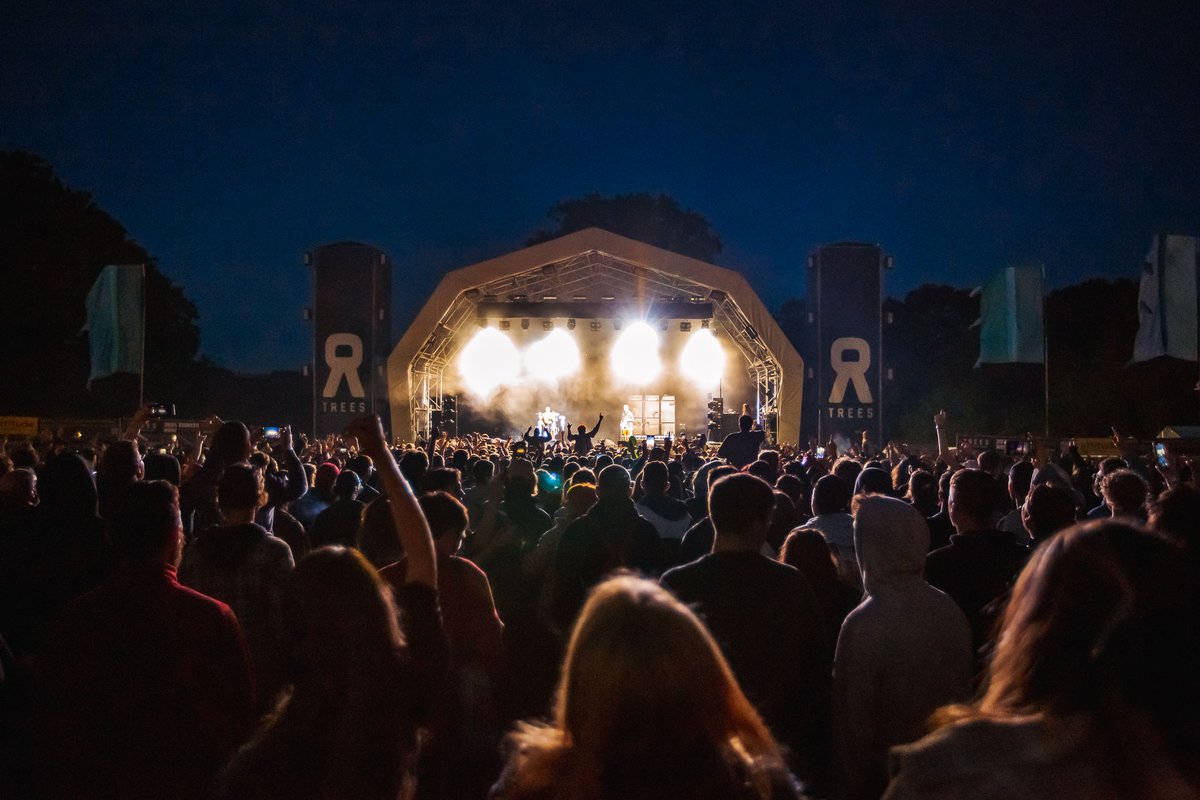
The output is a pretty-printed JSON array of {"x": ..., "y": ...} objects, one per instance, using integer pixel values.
[
  {"x": 1160, "y": 453},
  {"x": 270, "y": 432},
  {"x": 820, "y": 452},
  {"x": 649, "y": 442},
  {"x": 162, "y": 409}
]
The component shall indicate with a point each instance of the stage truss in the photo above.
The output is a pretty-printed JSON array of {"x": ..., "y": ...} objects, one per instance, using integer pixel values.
[{"x": 588, "y": 277}]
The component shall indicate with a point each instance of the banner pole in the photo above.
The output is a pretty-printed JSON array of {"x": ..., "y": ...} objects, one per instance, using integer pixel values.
[
  {"x": 1045, "y": 354},
  {"x": 142, "y": 371}
]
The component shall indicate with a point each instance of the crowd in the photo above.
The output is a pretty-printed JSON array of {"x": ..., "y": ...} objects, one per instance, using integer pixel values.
[{"x": 467, "y": 617}]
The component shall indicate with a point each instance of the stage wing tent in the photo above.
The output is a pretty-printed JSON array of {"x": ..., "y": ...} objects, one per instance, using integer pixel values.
[{"x": 579, "y": 273}]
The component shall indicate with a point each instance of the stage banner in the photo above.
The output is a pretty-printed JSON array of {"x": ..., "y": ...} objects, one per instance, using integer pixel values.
[
  {"x": 115, "y": 325},
  {"x": 1011, "y": 327},
  {"x": 845, "y": 284},
  {"x": 1167, "y": 300},
  {"x": 352, "y": 333}
]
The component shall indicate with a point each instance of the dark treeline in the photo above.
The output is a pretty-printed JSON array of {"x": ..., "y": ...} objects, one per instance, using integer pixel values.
[{"x": 54, "y": 240}]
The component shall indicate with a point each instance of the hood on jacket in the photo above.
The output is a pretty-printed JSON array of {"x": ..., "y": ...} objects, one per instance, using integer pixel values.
[{"x": 891, "y": 539}]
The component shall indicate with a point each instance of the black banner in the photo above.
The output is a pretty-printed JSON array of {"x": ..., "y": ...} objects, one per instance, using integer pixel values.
[
  {"x": 352, "y": 330},
  {"x": 845, "y": 284}
]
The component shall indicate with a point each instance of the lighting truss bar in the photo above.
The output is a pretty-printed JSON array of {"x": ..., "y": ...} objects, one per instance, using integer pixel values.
[{"x": 594, "y": 310}]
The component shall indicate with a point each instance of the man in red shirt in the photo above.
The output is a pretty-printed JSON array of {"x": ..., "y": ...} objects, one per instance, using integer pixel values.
[{"x": 144, "y": 686}]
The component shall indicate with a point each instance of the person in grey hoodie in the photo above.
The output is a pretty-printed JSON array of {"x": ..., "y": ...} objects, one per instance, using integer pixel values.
[{"x": 905, "y": 651}]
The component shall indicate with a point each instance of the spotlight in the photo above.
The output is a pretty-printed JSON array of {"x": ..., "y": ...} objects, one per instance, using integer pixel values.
[
  {"x": 489, "y": 361},
  {"x": 570, "y": 324},
  {"x": 524, "y": 324},
  {"x": 704, "y": 324},
  {"x": 553, "y": 357},
  {"x": 608, "y": 297},
  {"x": 595, "y": 325},
  {"x": 547, "y": 325},
  {"x": 634, "y": 357},
  {"x": 505, "y": 324},
  {"x": 685, "y": 327},
  {"x": 703, "y": 359}
]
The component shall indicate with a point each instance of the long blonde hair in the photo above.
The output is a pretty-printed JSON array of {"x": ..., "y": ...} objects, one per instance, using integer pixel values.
[{"x": 644, "y": 692}]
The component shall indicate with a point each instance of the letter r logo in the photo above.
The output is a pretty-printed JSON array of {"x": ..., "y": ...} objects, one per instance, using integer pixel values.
[
  {"x": 345, "y": 365},
  {"x": 853, "y": 371}
]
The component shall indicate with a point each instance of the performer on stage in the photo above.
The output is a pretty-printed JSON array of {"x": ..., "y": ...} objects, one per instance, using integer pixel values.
[{"x": 626, "y": 422}]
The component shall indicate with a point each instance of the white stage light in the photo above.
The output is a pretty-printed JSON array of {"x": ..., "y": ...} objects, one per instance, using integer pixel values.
[
  {"x": 635, "y": 354},
  {"x": 703, "y": 359},
  {"x": 553, "y": 357},
  {"x": 487, "y": 362}
]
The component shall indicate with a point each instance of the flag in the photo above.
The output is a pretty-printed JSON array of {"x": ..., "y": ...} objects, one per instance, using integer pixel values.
[
  {"x": 1011, "y": 327},
  {"x": 115, "y": 308},
  {"x": 1167, "y": 300}
]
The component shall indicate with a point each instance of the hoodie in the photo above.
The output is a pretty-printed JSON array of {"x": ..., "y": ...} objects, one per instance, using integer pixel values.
[{"x": 905, "y": 651}]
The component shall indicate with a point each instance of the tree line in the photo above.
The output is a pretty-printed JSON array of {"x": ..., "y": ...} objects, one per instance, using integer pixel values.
[{"x": 54, "y": 240}]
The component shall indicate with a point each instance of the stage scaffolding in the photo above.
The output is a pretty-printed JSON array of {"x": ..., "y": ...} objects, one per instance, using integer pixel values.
[{"x": 588, "y": 278}]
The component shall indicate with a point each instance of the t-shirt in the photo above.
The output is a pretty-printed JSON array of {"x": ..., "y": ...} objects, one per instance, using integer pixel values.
[{"x": 741, "y": 448}]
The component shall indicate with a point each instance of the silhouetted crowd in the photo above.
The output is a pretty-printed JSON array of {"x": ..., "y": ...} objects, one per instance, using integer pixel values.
[{"x": 469, "y": 617}]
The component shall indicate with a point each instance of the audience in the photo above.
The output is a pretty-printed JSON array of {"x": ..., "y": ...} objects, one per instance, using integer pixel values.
[{"x": 132, "y": 665}]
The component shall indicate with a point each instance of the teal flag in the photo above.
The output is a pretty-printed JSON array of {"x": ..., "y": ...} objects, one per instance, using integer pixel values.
[
  {"x": 1167, "y": 300},
  {"x": 1011, "y": 328},
  {"x": 114, "y": 321}
]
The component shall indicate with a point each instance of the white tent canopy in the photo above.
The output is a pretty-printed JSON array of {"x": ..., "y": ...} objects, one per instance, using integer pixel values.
[{"x": 592, "y": 262}]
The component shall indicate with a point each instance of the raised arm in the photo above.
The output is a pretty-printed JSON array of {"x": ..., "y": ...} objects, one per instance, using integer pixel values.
[
  {"x": 134, "y": 428},
  {"x": 411, "y": 527},
  {"x": 594, "y": 430}
]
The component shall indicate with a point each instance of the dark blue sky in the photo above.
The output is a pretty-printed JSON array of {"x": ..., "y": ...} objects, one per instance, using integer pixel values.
[{"x": 230, "y": 138}]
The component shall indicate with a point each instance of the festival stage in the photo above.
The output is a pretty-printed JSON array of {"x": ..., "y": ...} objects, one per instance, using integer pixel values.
[{"x": 588, "y": 324}]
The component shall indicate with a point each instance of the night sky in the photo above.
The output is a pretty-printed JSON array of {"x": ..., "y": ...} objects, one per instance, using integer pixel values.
[{"x": 229, "y": 138}]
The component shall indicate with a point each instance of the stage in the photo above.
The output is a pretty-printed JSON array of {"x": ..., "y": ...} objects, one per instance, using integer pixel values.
[{"x": 588, "y": 324}]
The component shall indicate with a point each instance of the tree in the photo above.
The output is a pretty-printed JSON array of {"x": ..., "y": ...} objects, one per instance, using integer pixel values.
[
  {"x": 54, "y": 241},
  {"x": 654, "y": 219}
]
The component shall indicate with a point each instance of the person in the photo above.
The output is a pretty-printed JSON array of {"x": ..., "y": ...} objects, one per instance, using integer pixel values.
[
  {"x": 120, "y": 466},
  {"x": 903, "y": 653},
  {"x": 459, "y": 760},
  {"x": 318, "y": 498},
  {"x": 830, "y": 506},
  {"x": 780, "y": 658},
  {"x": 144, "y": 686},
  {"x": 807, "y": 551},
  {"x": 1125, "y": 493},
  {"x": 362, "y": 665},
  {"x": 980, "y": 563},
  {"x": 244, "y": 566},
  {"x": 1048, "y": 509},
  {"x": 1107, "y": 467},
  {"x": 698, "y": 541},
  {"x": 339, "y": 524},
  {"x": 611, "y": 535},
  {"x": 1093, "y": 686},
  {"x": 669, "y": 516},
  {"x": 1020, "y": 478},
  {"x": 647, "y": 707},
  {"x": 741, "y": 449},
  {"x": 583, "y": 437}
]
